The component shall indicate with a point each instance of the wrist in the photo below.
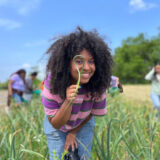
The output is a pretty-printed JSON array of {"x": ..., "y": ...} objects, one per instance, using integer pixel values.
[
  {"x": 67, "y": 103},
  {"x": 73, "y": 132}
]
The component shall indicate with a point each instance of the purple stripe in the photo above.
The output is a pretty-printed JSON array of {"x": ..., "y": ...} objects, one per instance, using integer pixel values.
[
  {"x": 75, "y": 109},
  {"x": 84, "y": 107},
  {"x": 63, "y": 128},
  {"x": 74, "y": 123},
  {"x": 99, "y": 105},
  {"x": 49, "y": 104}
]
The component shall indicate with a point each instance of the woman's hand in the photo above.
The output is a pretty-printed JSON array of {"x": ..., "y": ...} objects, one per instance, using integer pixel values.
[
  {"x": 71, "y": 93},
  {"x": 71, "y": 141}
]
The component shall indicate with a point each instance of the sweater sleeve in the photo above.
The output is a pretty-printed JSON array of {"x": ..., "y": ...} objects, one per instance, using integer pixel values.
[
  {"x": 150, "y": 75},
  {"x": 99, "y": 106},
  {"x": 51, "y": 102}
]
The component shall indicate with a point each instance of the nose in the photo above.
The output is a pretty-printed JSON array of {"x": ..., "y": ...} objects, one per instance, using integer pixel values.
[{"x": 86, "y": 66}]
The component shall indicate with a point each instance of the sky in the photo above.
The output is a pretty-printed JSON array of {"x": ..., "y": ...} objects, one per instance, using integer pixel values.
[{"x": 27, "y": 26}]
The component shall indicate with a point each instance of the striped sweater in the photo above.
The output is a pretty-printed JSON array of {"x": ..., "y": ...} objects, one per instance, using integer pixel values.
[{"x": 82, "y": 107}]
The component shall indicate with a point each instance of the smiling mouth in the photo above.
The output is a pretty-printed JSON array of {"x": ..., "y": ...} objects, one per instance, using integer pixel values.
[{"x": 85, "y": 75}]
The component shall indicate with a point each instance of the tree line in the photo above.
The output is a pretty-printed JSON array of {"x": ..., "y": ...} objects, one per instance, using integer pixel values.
[{"x": 135, "y": 57}]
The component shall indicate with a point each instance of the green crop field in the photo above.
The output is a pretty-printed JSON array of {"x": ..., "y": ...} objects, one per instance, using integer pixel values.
[{"x": 129, "y": 130}]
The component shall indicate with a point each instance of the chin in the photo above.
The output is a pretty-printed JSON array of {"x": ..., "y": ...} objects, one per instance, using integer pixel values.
[{"x": 84, "y": 81}]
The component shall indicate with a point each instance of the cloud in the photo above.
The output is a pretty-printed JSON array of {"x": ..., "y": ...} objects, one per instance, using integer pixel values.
[
  {"x": 140, "y": 5},
  {"x": 40, "y": 68},
  {"x": 9, "y": 24},
  {"x": 3, "y": 2},
  {"x": 28, "y": 6},
  {"x": 36, "y": 43},
  {"x": 26, "y": 66},
  {"x": 22, "y": 7},
  {"x": 42, "y": 71}
]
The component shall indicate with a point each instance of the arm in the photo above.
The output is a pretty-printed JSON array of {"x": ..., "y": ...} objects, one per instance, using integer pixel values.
[
  {"x": 63, "y": 114},
  {"x": 30, "y": 88},
  {"x": 150, "y": 75},
  {"x": 9, "y": 92},
  {"x": 29, "y": 84},
  {"x": 71, "y": 136},
  {"x": 75, "y": 130},
  {"x": 10, "y": 87}
]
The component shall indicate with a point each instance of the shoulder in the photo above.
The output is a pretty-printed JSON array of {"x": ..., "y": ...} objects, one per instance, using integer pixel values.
[
  {"x": 14, "y": 77},
  {"x": 48, "y": 95},
  {"x": 47, "y": 81}
]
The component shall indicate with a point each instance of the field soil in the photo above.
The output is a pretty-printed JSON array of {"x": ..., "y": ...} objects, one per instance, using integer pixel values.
[
  {"x": 137, "y": 93},
  {"x": 3, "y": 99}
]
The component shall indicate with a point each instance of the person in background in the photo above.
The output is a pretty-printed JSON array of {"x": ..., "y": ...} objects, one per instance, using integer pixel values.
[
  {"x": 16, "y": 87},
  {"x": 114, "y": 81},
  {"x": 115, "y": 86},
  {"x": 154, "y": 77},
  {"x": 28, "y": 89}
]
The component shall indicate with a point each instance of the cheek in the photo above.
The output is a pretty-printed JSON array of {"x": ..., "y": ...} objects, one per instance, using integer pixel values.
[{"x": 73, "y": 72}]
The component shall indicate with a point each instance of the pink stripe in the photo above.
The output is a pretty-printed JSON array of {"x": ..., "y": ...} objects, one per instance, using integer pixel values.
[
  {"x": 99, "y": 112},
  {"x": 50, "y": 112},
  {"x": 79, "y": 99},
  {"x": 81, "y": 115},
  {"x": 68, "y": 127},
  {"x": 48, "y": 95}
]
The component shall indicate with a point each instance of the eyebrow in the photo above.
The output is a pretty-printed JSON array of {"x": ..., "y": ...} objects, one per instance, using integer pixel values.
[{"x": 91, "y": 58}]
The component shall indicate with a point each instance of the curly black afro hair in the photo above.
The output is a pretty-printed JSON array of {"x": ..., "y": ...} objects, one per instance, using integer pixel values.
[{"x": 65, "y": 48}]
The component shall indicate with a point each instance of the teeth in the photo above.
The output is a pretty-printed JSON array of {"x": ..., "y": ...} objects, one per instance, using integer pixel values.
[{"x": 85, "y": 75}]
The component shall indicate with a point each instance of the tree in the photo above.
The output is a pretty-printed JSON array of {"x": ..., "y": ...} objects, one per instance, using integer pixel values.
[{"x": 136, "y": 57}]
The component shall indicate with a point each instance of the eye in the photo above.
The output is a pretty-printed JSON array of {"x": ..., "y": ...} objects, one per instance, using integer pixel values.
[
  {"x": 79, "y": 61},
  {"x": 91, "y": 61}
]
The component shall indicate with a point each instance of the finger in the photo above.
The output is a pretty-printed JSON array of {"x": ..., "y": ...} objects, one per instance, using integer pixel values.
[
  {"x": 72, "y": 94},
  {"x": 72, "y": 146},
  {"x": 72, "y": 90},
  {"x": 74, "y": 97},
  {"x": 72, "y": 86},
  {"x": 76, "y": 145},
  {"x": 66, "y": 147}
]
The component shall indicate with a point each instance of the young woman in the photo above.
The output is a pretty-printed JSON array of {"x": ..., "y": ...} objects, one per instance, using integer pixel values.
[
  {"x": 69, "y": 113},
  {"x": 28, "y": 89},
  {"x": 16, "y": 87},
  {"x": 154, "y": 77}
]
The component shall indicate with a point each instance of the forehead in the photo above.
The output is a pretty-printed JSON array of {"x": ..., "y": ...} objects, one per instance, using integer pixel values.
[{"x": 86, "y": 54}]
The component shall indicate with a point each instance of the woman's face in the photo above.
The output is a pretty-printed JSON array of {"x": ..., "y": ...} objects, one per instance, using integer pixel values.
[
  {"x": 88, "y": 70},
  {"x": 157, "y": 69},
  {"x": 22, "y": 75}
]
